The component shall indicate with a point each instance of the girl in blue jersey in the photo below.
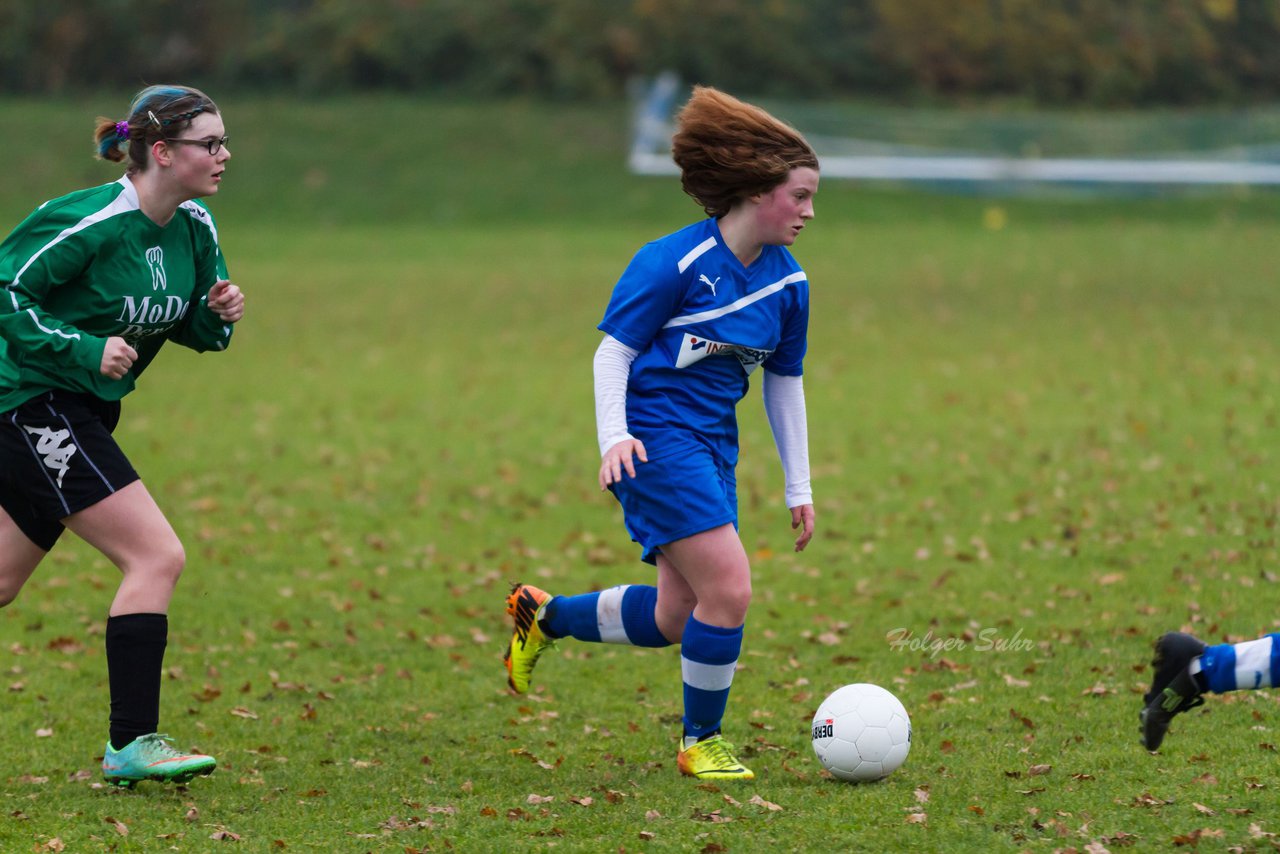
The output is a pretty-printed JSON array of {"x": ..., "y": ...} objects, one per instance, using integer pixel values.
[
  {"x": 94, "y": 283},
  {"x": 694, "y": 315}
]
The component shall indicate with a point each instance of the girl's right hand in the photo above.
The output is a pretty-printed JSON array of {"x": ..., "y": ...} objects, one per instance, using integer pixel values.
[
  {"x": 117, "y": 358},
  {"x": 621, "y": 456}
]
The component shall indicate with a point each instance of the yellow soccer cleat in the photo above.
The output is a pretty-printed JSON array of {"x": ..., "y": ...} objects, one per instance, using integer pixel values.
[
  {"x": 712, "y": 759},
  {"x": 525, "y": 604}
]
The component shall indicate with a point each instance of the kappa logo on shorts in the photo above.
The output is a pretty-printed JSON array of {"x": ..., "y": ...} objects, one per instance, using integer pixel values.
[{"x": 57, "y": 456}]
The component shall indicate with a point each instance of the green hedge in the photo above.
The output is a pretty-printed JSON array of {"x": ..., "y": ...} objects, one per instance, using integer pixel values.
[{"x": 1096, "y": 52}]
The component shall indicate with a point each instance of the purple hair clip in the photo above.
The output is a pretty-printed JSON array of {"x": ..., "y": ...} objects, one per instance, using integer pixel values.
[{"x": 122, "y": 131}]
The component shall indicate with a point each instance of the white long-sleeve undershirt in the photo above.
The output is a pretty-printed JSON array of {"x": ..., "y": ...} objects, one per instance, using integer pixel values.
[
  {"x": 612, "y": 368},
  {"x": 783, "y": 403}
]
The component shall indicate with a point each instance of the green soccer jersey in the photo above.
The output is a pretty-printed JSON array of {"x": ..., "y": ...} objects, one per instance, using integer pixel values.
[{"x": 89, "y": 266}]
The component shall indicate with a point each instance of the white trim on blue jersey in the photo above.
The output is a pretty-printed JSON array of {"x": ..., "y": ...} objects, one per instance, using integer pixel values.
[
  {"x": 749, "y": 299},
  {"x": 695, "y": 253},
  {"x": 701, "y": 322}
]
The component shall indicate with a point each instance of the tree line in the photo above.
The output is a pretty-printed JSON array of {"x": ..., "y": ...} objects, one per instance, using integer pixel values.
[{"x": 1046, "y": 52}]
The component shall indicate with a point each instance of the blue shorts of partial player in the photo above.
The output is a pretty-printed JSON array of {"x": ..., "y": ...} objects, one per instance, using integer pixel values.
[{"x": 675, "y": 496}]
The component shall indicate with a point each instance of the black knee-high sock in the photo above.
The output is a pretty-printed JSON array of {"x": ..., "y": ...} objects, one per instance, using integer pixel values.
[{"x": 135, "y": 657}]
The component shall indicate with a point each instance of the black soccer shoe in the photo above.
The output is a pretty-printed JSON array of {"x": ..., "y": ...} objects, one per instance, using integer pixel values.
[
  {"x": 1173, "y": 688},
  {"x": 1173, "y": 652}
]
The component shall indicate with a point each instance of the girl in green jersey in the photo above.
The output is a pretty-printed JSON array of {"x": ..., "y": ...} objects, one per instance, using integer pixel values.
[{"x": 91, "y": 286}]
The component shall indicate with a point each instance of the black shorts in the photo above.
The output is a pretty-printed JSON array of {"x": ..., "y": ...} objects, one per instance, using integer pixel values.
[{"x": 57, "y": 457}]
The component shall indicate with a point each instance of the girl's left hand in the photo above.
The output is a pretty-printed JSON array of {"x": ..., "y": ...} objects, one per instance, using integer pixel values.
[
  {"x": 226, "y": 300},
  {"x": 802, "y": 517}
]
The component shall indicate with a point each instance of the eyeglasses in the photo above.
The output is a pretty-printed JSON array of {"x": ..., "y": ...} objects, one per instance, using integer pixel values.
[{"x": 213, "y": 146}]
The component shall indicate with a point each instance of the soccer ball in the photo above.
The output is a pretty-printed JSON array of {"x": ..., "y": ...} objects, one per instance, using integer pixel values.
[{"x": 861, "y": 733}]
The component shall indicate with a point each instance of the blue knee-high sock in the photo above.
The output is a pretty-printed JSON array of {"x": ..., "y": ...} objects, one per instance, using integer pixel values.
[
  {"x": 708, "y": 655},
  {"x": 1240, "y": 666},
  {"x": 623, "y": 614}
]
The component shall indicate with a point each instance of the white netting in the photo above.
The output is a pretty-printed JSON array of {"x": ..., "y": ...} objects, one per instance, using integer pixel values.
[{"x": 1000, "y": 151}]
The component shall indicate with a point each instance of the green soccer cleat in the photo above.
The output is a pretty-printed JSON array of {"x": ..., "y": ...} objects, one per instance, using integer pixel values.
[
  {"x": 1174, "y": 689},
  {"x": 712, "y": 759},
  {"x": 526, "y": 605},
  {"x": 150, "y": 757}
]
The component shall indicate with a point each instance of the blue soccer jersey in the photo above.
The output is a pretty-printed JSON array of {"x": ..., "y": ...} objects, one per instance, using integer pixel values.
[{"x": 702, "y": 322}]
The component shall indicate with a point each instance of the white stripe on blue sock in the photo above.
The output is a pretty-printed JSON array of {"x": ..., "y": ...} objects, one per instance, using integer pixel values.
[
  {"x": 1253, "y": 663},
  {"x": 707, "y": 677},
  {"x": 609, "y": 615}
]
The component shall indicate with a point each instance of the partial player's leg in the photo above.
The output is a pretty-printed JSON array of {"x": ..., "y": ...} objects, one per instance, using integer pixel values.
[
  {"x": 129, "y": 528},
  {"x": 623, "y": 615},
  {"x": 1174, "y": 688},
  {"x": 627, "y": 614},
  {"x": 19, "y": 557},
  {"x": 526, "y": 605},
  {"x": 27, "y": 529},
  {"x": 1186, "y": 669},
  {"x": 715, "y": 567},
  {"x": 676, "y": 601}
]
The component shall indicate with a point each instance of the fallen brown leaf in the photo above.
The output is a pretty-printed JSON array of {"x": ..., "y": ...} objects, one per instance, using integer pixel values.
[
  {"x": 1256, "y": 832},
  {"x": 758, "y": 801},
  {"x": 1023, "y": 719},
  {"x": 1193, "y": 838}
]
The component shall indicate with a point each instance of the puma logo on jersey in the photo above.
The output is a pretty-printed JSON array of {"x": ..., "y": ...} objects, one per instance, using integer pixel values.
[
  {"x": 57, "y": 456},
  {"x": 155, "y": 261},
  {"x": 703, "y": 278},
  {"x": 694, "y": 349}
]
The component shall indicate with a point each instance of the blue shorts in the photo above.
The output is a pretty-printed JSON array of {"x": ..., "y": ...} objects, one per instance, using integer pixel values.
[{"x": 675, "y": 497}]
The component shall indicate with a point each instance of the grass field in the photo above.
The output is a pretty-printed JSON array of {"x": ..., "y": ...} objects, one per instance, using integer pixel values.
[{"x": 1035, "y": 448}]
